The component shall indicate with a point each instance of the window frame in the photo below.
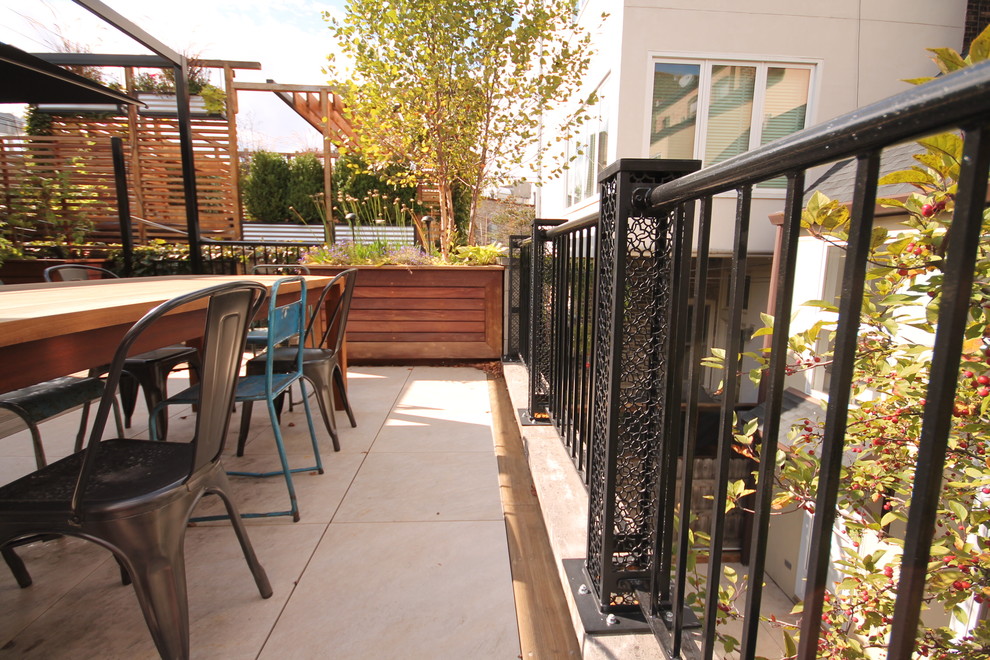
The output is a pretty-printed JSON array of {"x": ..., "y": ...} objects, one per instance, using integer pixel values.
[
  {"x": 705, "y": 62},
  {"x": 603, "y": 90}
]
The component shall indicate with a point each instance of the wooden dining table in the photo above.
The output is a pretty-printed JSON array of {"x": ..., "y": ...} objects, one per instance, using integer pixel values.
[{"x": 54, "y": 329}]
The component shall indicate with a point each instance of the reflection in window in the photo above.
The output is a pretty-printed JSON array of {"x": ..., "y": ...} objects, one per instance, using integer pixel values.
[
  {"x": 675, "y": 109},
  {"x": 716, "y": 110},
  {"x": 587, "y": 153}
]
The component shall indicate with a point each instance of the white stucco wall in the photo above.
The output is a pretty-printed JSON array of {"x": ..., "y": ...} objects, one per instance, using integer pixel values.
[{"x": 862, "y": 48}]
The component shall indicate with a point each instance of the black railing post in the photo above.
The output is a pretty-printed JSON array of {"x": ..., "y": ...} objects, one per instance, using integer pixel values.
[
  {"x": 635, "y": 268},
  {"x": 123, "y": 205}
]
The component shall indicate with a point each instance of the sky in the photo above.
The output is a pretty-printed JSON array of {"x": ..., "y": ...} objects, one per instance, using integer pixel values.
[{"x": 288, "y": 37}]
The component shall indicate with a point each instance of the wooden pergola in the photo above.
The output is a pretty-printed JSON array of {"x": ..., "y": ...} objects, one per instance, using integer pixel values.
[{"x": 320, "y": 106}]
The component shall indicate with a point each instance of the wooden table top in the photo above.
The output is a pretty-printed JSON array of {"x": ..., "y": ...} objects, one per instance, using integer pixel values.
[
  {"x": 58, "y": 328},
  {"x": 30, "y": 312}
]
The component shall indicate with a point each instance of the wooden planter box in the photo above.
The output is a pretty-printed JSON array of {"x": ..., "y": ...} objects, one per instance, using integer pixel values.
[
  {"x": 402, "y": 313},
  {"x": 27, "y": 271}
]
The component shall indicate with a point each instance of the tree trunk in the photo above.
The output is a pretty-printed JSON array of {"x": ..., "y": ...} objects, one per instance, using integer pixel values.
[{"x": 448, "y": 227}]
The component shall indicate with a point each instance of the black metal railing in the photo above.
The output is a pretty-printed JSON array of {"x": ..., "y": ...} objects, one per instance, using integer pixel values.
[
  {"x": 223, "y": 258},
  {"x": 651, "y": 257}
]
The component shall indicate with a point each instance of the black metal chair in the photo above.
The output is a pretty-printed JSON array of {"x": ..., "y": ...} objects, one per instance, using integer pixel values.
[
  {"x": 148, "y": 370},
  {"x": 321, "y": 359},
  {"x": 134, "y": 497}
]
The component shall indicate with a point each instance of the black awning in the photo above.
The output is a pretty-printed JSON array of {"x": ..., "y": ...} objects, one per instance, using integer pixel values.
[{"x": 25, "y": 78}]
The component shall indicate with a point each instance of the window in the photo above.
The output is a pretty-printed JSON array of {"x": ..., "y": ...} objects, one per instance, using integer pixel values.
[
  {"x": 587, "y": 153},
  {"x": 713, "y": 110}
]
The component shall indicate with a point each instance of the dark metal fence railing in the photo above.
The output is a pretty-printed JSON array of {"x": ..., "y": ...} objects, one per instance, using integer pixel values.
[
  {"x": 226, "y": 258},
  {"x": 649, "y": 250}
]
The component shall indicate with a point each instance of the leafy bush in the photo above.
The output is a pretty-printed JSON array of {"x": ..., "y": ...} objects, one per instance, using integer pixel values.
[
  {"x": 266, "y": 188},
  {"x": 305, "y": 184}
]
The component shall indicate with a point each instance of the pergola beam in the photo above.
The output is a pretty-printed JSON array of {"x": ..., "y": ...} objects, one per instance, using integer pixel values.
[
  {"x": 132, "y": 30},
  {"x": 137, "y": 61},
  {"x": 181, "y": 69}
]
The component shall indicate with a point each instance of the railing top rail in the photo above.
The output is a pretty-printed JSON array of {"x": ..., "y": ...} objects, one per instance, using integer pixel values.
[
  {"x": 572, "y": 226},
  {"x": 956, "y": 100}
]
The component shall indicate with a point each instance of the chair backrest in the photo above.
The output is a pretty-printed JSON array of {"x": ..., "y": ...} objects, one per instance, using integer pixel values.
[
  {"x": 285, "y": 322},
  {"x": 342, "y": 285},
  {"x": 280, "y": 269},
  {"x": 229, "y": 308},
  {"x": 76, "y": 272}
]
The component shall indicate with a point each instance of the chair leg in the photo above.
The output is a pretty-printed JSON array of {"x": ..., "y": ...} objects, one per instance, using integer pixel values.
[
  {"x": 17, "y": 567},
  {"x": 39, "y": 450},
  {"x": 151, "y": 549},
  {"x": 257, "y": 570},
  {"x": 312, "y": 429},
  {"x": 245, "y": 426},
  {"x": 324, "y": 398},
  {"x": 338, "y": 378},
  {"x": 128, "y": 388},
  {"x": 81, "y": 434}
]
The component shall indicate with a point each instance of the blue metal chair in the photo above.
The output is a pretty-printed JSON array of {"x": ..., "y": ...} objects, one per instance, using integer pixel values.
[
  {"x": 134, "y": 497},
  {"x": 148, "y": 370},
  {"x": 321, "y": 357},
  {"x": 257, "y": 337},
  {"x": 285, "y": 323}
]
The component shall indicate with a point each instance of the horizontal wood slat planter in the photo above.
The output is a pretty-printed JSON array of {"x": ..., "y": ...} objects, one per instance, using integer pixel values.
[{"x": 404, "y": 313}]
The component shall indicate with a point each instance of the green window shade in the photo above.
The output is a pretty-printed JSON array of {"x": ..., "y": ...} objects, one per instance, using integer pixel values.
[
  {"x": 675, "y": 110},
  {"x": 730, "y": 112},
  {"x": 785, "y": 108}
]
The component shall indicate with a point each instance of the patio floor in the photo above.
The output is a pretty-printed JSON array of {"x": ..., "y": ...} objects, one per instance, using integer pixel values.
[{"x": 401, "y": 551}]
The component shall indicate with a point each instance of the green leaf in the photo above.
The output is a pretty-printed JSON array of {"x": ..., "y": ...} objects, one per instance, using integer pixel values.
[
  {"x": 821, "y": 304},
  {"x": 979, "y": 49},
  {"x": 947, "y": 59},
  {"x": 889, "y": 518},
  {"x": 790, "y": 646},
  {"x": 958, "y": 509},
  {"x": 913, "y": 176}
]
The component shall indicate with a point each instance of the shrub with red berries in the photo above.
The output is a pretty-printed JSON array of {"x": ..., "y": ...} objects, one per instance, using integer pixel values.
[{"x": 890, "y": 386}]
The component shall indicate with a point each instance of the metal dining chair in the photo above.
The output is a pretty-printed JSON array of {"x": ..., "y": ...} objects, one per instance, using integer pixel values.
[
  {"x": 134, "y": 497},
  {"x": 148, "y": 370},
  {"x": 320, "y": 359},
  {"x": 286, "y": 323},
  {"x": 257, "y": 337}
]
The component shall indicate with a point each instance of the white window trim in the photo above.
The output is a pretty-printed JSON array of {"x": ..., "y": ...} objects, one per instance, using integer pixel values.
[
  {"x": 609, "y": 155},
  {"x": 706, "y": 62}
]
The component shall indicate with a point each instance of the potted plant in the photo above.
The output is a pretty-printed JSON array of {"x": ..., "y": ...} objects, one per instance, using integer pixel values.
[{"x": 410, "y": 305}]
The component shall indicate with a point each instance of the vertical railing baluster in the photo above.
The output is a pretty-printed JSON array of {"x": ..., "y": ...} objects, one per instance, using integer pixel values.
[
  {"x": 537, "y": 321},
  {"x": 784, "y": 288},
  {"x": 846, "y": 340},
  {"x": 690, "y": 434},
  {"x": 730, "y": 389},
  {"x": 967, "y": 224}
]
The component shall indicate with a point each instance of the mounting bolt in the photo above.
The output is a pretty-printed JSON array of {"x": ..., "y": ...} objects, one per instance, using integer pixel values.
[
  {"x": 669, "y": 616},
  {"x": 584, "y": 590},
  {"x": 611, "y": 620}
]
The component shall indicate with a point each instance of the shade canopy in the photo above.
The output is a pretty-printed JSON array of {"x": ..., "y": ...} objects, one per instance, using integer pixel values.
[{"x": 25, "y": 78}]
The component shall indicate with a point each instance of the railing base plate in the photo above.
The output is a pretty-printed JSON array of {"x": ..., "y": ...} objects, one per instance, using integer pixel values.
[
  {"x": 527, "y": 419},
  {"x": 596, "y": 623}
]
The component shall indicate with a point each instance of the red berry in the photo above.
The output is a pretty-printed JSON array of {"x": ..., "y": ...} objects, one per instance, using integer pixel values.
[
  {"x": 903, "y": 272},
  {"x": 967, "y": 374},
  {"x": 927, "y": 210},
  {"x": 983, "y": 379},
  {"x": 888, "y": 571},
  {"x": 983, "y": 391}
]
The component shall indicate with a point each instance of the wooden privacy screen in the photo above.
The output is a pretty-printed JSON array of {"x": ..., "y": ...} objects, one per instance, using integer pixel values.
[{"x": 80, "y": 147}]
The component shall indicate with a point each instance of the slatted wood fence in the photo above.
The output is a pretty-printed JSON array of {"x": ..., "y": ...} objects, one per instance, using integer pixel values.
[{"x": 80, "y": 147}]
